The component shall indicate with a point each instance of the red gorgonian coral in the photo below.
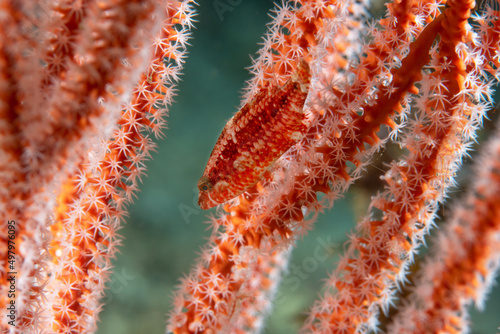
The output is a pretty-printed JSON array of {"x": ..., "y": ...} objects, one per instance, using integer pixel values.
[{"x": 86, "y": 83}]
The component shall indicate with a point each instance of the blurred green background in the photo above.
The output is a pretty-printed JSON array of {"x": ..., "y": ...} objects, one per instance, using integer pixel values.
[{"x": 161, "y": 243}]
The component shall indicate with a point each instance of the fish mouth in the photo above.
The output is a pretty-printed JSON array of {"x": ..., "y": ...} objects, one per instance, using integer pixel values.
[{"x": 205, "y": 201}]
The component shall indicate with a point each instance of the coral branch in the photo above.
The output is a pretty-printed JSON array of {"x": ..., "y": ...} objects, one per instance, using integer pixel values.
[
  {"x": 256, "y": 218},
  {"x": 85, "y": 85},
  {"x": 83, "y": 98},
  {"x": 378, "y": 260},
  {"x": 87, "y": 219},
  {"x": 465, "y": 258}
]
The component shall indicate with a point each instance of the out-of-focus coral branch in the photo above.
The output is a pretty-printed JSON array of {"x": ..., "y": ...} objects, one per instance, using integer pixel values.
[
  {"x": 87, "y": 65},
  {"x": 90, "y": 211},
  {"x": 69, "y": 112}
]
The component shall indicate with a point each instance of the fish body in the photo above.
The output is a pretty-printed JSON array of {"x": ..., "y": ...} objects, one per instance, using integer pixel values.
[{"x": 254, "y": 138}]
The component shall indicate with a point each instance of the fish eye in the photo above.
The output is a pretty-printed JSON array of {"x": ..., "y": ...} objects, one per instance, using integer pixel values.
[{"x": 204, "y": 184}]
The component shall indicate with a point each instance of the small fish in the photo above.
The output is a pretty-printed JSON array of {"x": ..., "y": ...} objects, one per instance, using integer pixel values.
[{"x": 254, "y": 138}]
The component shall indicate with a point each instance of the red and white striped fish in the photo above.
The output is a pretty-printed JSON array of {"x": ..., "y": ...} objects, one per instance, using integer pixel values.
[{"x": 254, "y": 138}]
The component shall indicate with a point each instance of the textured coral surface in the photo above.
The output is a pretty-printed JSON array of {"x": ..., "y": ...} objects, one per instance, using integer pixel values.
[{"x": 395, "y": 107}]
